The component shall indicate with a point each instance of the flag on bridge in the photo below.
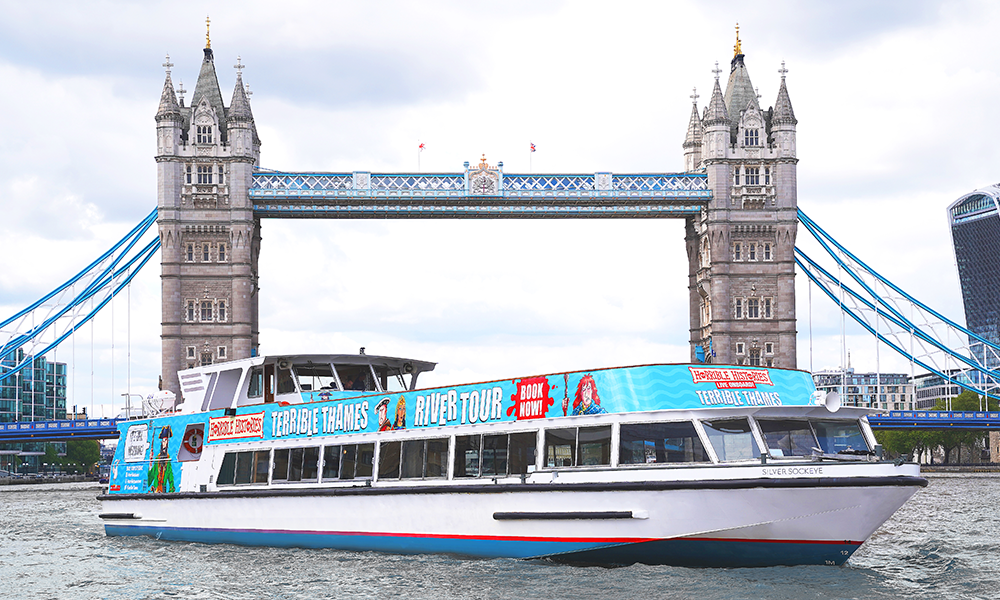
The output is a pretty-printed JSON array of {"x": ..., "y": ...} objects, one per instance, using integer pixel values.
[
  {"x": 532, "y": 146},
  {"x": 422, "y": 146}
]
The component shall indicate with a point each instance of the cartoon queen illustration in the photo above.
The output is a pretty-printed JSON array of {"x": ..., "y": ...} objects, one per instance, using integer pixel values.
[{"x": 586, "y": 401}]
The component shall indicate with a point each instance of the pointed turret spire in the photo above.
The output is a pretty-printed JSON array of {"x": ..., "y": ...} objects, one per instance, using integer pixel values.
[
  {"x": 695, "y": 130},
  {"x": 783, "y": 112},
  {"x": 716, "y": 112},
  {"x": 239, "y": 108},
  {"x": 168, "y": 100},
  {"x": 207, "y": 88}
]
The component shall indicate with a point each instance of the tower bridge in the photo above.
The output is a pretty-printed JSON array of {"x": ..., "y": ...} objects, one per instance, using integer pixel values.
[{"x": 737, "y": 196}]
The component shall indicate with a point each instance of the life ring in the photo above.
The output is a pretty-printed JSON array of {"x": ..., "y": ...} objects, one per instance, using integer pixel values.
[{"x": 193, "y": 441}]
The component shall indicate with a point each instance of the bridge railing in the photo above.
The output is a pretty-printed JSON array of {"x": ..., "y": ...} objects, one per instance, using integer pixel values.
[{"x": 62, "y": 425}]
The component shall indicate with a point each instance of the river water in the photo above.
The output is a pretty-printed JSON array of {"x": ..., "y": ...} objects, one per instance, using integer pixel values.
[{"x": 944, "y": 543}]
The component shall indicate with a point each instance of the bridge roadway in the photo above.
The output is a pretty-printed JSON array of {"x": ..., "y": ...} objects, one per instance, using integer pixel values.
[
  {"x": 59, "y": 431},
  {"x": 364, "y": 195},
  {"x": 933, "y": 419}
]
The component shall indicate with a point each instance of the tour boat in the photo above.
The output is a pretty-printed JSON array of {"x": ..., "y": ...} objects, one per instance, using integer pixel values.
[{"x": 676, "y": 464}]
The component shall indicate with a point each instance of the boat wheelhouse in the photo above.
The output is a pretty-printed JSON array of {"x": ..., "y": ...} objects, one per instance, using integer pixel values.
[{"x": 661, "y": 464}]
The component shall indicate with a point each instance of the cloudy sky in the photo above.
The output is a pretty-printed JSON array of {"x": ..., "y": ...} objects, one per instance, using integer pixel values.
[{"x": 894, "y": 102}]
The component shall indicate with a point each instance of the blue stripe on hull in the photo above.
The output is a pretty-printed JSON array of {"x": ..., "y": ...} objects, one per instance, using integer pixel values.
[
  {"x": 679, "y": 552},
  {"x": 489, "y": 548}
]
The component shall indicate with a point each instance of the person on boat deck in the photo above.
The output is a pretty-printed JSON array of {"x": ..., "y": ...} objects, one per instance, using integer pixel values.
[
  {"x": 382, "y": 410},
  {"x": 161, "y": 472},
  {"x": 586, "y": 401}
]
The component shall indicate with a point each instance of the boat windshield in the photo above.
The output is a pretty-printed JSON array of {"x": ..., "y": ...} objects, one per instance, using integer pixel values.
[
  {"x": 787, "y": 437},
  {"x": 315, "y": 377},
  {"x": 357, "y": 378},
  {"x": 732, "y": 439},
  {"x": 840, "y": 436}
]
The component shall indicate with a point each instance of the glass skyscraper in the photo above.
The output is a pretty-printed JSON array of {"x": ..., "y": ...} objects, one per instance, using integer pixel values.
[
  {"x": 974, "y": 221},
  {"x": 36, "y": 393}
]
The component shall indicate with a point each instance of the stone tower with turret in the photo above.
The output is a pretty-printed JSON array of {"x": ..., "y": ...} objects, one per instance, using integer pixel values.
[
  {"x": 210, "y": 241},
  {"x": 741, "y": 248}
]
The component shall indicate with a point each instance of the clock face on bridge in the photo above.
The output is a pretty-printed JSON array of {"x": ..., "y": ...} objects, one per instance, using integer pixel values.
[{"x": 484, "y": 185}]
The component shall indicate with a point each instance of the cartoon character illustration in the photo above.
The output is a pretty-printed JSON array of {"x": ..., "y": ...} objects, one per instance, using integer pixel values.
[
  {"x": 400, "y": 414},
  {"x": 586, "y": 401},
  {"x": 382, "y": 409},
  {"x": 161, "y": 472}
]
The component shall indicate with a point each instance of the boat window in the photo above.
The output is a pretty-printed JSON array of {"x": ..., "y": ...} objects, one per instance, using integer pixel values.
[
  {"x": 840, "y": 436},
  {"x": 356, "y": 378},
  {"x": 356, "y": 461},
  {"x": 331, "y": 462},
  {"x": 392, "y": 379},
  {"x": 422, "y": 459},
  {"x": 643, "y": 443},
  {"x": 732, "y": 439},
  {"x": 285, "y": 383},
  {"x": 786, "y": 437},
  {"x": 494, "y": 455},
  {"x": 313, "y": 377},
  {"x": 227, "y": 472},
  {"x": 241, "y": 468},
  {"x": 583, "y": 446},
  {"x": 467, "y": 449},
  {"x": 256, "y": 388},
  {"x": 388, "y": 460},
  {"x": 296, "y": 464}
]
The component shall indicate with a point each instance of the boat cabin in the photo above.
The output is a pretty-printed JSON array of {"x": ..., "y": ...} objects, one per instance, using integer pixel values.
[{"x": 295, "y": 379}]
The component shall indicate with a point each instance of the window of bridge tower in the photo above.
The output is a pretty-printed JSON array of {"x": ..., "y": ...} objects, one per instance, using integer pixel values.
[
  {"x": 752, "y": 175},
  {"x": 190, "y": 314},
  {"x": 204, "y": 253},
  {"x": 187, "y": 174},
  {"x": 222, "y": 312},
  {"x": 738, "y": 312},
  {"x": 751, "y": 137},
  {"x": 206, "y": 359},
  {"x": 740, "y": 348},
  {"x": 190, "y": 252},
  {"x": 751, "y": 251},
  {"x": 190, "y": 352},
  {"x": 767, "y": 308},
  {"x": 767, "y": 251},
  {"x": 205, "y": 174},
  {"x": 203, "y": 134},
  {"x": 736, "y": 175},
  {"x": 767, "y": 175},
  {"x": 222, "y": 253},
  {"x": 206, "y": 311},
  {"x": 737, "y": 251},
  {"x": 753, "y": 308}
]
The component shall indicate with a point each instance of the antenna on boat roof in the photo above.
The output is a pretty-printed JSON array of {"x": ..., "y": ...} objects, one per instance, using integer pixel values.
[{"x": 362, "y": 351}]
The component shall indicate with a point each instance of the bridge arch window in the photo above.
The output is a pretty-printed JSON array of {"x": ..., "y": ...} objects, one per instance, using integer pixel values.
[{"x": 751, "y": 137}]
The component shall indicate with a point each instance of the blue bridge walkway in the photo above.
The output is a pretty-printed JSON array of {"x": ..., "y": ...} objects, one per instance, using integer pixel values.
[
  {"x": 59, "y": 431},
  {"x": 933, "y": 419}
]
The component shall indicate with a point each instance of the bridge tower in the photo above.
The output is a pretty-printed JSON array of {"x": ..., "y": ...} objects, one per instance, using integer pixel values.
[
  {"x": 205, "y": 156},
  {"x": 741, "y": 249}
]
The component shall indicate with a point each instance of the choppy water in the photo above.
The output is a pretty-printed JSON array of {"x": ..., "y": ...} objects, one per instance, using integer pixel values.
[{"x": 945, "y": 543}]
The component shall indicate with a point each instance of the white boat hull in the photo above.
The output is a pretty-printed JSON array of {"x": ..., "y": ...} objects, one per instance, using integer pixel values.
[{"x": 718, "y": 516}]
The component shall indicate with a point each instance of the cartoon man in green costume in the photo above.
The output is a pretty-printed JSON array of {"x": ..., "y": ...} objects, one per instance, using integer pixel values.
[{"x": 161, "y": 472}]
